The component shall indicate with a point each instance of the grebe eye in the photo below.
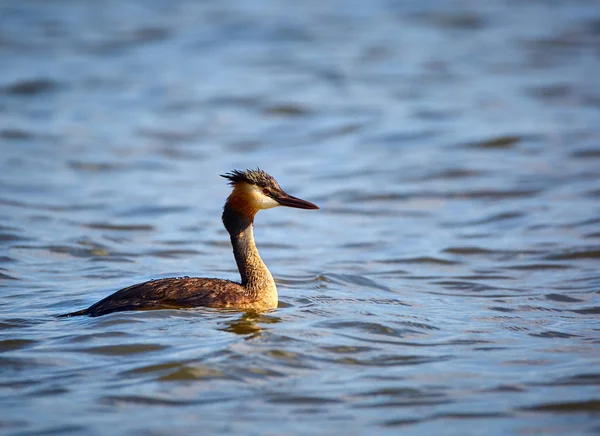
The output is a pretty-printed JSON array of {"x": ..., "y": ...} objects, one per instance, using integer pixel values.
[{"x": 265, "y": 191}]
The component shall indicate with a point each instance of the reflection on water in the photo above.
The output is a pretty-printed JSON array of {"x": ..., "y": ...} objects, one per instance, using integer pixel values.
[
  {"x": 250, "y": 323},
  {"x": 449, "y": 282}
]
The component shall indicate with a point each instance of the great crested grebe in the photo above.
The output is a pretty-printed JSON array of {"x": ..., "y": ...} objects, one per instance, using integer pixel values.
[{"x": 253, "y": 190}]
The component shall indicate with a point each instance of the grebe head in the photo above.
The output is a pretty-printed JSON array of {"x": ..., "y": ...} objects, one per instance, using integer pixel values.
[{"x": 254, "y": 190}]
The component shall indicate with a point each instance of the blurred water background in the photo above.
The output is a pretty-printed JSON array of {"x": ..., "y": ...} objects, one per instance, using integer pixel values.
[{"x": 448, "y": 285}]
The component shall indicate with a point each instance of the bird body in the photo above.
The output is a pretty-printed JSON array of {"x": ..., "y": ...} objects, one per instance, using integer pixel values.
[{"x": 253, "y": 190}]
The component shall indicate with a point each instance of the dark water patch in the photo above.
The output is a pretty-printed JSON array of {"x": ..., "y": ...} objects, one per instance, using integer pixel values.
[
  {"x": 594, "y": 310},
  {"x": 591, "y": 153},
  {"x": 337, "y": 132},
  {"x": 418, "y": 325},
  {"x": 15, "y": 134},
  {"x": 112, "y": 320},
  {"x": 81, "y": 251},
  {"x": 276, "y": 246},
  {"x": 382, "y": 301},
  {"x": 286, "y": 398},
  {"x": 396, "y": 403},
  {"x": 158, "y": 369},
  {"x": 506, "y": 388},
  {"x": 291, "y": 33},
  {"x": 492, "y": 194},
  {"x": 461, "y": 285},
  {"x": 241, "y": 101},
  {"x": 150, "y": 34},
  {"x": 48, "y": 392},
  {"x": 501, "y": 142},
  {"x": 119, "y": 227},
  {"x": 400, "y": 422},
  {"x": 373, "y": 197},
  {"x": 530, "y": 308},
  {"x": 589, "y": 406},
  {"x": 4, "y": 276},
  {"x": 539, "y": 266},
  {"x": 402, "y": 392},
  {"x": 220, "y": 243},
  {"x": 173, "y": 254},
  {"x": 10, "y": 237},
  {"x": 370, "y": 328},
  {"x": 18, "y": 365},
  {"x": 109, "y": 259},
  {"x": 472, "y": 250},
  {"x": 123, "y": 349},
  {"x": 392, "y": 273},
  {"x": 594, "y": 193},
  {"x": 55, "y": 430},
  {"x": 592, "y": 379},
  {"x": 96, "y": 336},
  {"x": 562, "y": 298},
  {"x": 343, "y": 349},
  {"x": 582, "y": 223},
  {"x": 15, "y": 344},
  {"x": 455, "y": 173},
  {"x": 455, "y": 20},
  {"x": 503, "y": 216},
  {"x": 474, "y": 415},
  {"x": 6, "y": 259},
  {"x": 121, "y": 41},
  {"x": 589, "y": 252},
  {"x": 140, "y": 400},
  {"x": 95, "y": 166},
  {"x": 286, "y": 110},
  {"x": 427, "y": 260},
  {"x": 432, "y": 114},
  {"x": 360, "y": 245},
  {"x": 12, "y": 424},
  {"x": 31, "y": 87},
  {"x": 17, "y": 323},
  {"x": 18, "y": 383},
  {"x": 391, "y": 360},
  {"x": 554, "y": 93},
  {"x": 554, "y": 335}
]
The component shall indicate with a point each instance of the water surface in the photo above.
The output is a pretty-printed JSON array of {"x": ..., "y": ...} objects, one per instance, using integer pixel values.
[{"x": 449, "y": 284}]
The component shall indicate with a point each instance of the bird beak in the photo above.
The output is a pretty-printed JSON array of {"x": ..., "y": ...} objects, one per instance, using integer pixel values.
[{"x": 291, "y": 201}]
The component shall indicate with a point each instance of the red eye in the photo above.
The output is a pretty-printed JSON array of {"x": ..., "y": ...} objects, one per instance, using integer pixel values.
[{"x": 265, "y": 191}]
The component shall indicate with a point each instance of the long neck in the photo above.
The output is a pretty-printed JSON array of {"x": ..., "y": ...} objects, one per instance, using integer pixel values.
[{"x": 253, "y": 271}]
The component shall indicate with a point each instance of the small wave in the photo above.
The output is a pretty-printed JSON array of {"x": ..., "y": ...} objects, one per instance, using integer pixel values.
[
  {"x": 122, "y": 349},
  {"x": 31, "y": 87},
  {"x": 590, "y": 406},
  {"x": 120, "y": 227}
]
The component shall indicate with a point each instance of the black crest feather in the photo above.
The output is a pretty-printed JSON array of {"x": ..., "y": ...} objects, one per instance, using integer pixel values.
[{"x": 255, "y": 177}]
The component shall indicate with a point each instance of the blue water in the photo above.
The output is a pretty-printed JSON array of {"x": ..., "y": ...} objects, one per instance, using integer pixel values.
[{"x": 449, "y": 283}]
